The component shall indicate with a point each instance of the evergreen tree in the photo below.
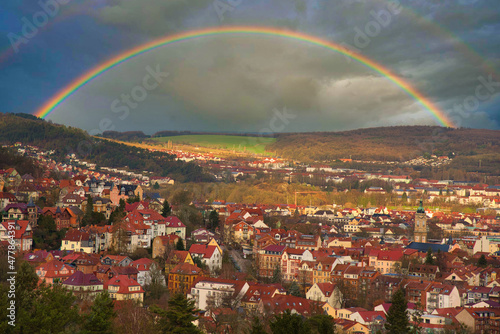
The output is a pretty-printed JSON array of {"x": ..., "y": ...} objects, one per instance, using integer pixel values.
[
  {"x": 178, "y": 318},
  {"x": 121, "y": 205},
  {"x": 156, "y": 186},
  {"x": 89, "y": 209},
  {"x": 294, "y": 289},
  {"x": 167, "y": 210},
  {"x": 180, "y": 245},
  {"x": 397, "y": 316},
  {"x": 321, "y": 324},
  {"x": 276, "y": 275},
  {"x": 53, "y": 310},
  {"x": 482, "y": 262},
  {"x": 100, "y": 318},
  {"x": 213, "y": 219},
  {"x": 429, "y": 259},
  {"x": 288, "y": 323},
  {"x": 404, "y": 197},
  {"x": 257, "y": 327}
]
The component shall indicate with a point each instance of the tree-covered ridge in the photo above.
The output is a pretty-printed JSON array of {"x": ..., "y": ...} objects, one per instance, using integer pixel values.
[
  {"x": 64, "y": 140},
  {"x": 387, "y": 143}
]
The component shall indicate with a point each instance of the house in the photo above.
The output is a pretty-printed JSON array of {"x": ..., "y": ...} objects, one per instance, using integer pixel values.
[
  {"x": 269, "y": 259},
  {"x": 117, "y": 260},
  {"x": 371, "y": 319},
  {"x": 480, "y": 320},
  {"x": 174, "y": 226},
  {"x": 64, "y": 218},
  {"x": 386, "y": 261},
  {"x": 54, "y": 272},
  {"x": 280, "y": 303},
  {"x": 84, "y": 262},
  {"x": 122, "y": 287},
  {"x": 256, "y": 292},
  {"x": 148, "y": 269},
  {"x": 442, "y": 296},
  {"x": 181, "y": 277},
  {"x": 351, "y": 327},
  {"x": 176, "y": 257},
  {"x": 163, "y": 243},
  {"x": 209, "y": 255},
  {"x": 212, "y": 292},
  {"x": 105, "y": 273},
  {"x": 18, "y": 233},
  {"x": 86, "y": 285},
  {"x": 76, "y": 240},
  {"x": 326, "y": 292}
]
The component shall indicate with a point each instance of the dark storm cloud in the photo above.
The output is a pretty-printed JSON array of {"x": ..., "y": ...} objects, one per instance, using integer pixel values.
[{"x": 236, "y": 82}]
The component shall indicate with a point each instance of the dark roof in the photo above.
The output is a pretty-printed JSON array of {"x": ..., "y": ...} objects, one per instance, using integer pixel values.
[
  {"x": 79, "y": 279},
  {"x": 424, "y": 247}
]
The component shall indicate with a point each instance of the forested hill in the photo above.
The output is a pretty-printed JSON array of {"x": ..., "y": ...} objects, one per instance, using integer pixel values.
[
  {"x": 65, "y": 140},
  {"x": 387, "y": 143}
]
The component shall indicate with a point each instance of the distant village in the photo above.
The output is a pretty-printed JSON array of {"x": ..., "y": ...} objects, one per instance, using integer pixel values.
[{"x": 348, "y": 261}]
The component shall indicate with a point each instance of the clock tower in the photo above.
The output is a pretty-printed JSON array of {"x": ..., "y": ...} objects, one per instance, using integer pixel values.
[{"x": 420, "y": 233}]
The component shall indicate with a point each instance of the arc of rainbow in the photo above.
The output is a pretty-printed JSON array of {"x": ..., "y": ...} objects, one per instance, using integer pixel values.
[{"x": 62, "y": 95}]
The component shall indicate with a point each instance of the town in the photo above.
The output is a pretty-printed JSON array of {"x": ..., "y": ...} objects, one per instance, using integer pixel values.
[{"x": 92, "y": 229}]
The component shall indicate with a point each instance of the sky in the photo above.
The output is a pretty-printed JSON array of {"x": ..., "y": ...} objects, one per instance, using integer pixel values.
[{"x": 449, "y": 50}]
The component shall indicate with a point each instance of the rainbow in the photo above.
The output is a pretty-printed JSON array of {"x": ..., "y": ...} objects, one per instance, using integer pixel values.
[{"x": 67, "y": 91}]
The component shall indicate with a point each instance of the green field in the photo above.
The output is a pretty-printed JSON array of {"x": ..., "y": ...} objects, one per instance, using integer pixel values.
[{"x": 255, "y": 145}]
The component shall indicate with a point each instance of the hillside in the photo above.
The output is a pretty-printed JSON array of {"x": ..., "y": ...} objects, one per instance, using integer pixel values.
[
  {"x": 391, "y": 144},
  {"x": 247, "y": 144},
  {"x": 65, "y": 140}
]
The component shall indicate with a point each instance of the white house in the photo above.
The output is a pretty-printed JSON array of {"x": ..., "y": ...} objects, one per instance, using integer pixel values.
[
  {"x": 211, "y": 256},
  {"x": 212, "y": 291},
  {"x": 326, "y": 292}
]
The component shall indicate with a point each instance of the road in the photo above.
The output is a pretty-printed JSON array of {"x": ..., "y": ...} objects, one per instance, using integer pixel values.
[{"x": 236, "y": 256}]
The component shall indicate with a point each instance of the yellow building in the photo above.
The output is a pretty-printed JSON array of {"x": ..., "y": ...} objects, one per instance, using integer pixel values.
[
  {"x": 121, "y": 287},
  {"x": 176, "y": 257},
  {"x": 182, "y": 277}
]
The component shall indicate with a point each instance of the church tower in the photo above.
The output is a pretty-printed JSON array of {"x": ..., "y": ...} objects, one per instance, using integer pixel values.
[{"x": 420, "y": 233}]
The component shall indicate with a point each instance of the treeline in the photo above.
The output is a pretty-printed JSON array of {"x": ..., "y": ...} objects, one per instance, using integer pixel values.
[
  {"x": 398, "y": 143},
  {"x": 64, "y": 140},
  {"x": 185, "y": 133},
  {"x": 125, "y": 136}
]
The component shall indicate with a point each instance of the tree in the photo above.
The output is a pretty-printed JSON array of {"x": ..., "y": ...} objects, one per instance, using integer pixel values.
[
  {"x": 416, "y": 318},
  {"x": 89, "y": 209},
  {"x": 213, "y": 219},
  {"x": 288, "y": 323},
  {"x": 257, "y": 327},
  {"x": 397, "y": 316},
  {"x": 321, "y": 324},
  {"x": 46, "y": 236},
  {"x": 429, "y": 259},
  {"x": 179, "y": 317},
  {"x": 167, "y": 210},
  {"x": 276, "y": 275},
  {"x": 52, "y": 310},
  {"x": 180, "y": 244},
  {"x": 156, "y": 186},
  {"x": 294, "y": 289},
  {"x": 100, "y": 318},
  {"x": 482, "y": 262},
  {"x": 404, "y": 197}
]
